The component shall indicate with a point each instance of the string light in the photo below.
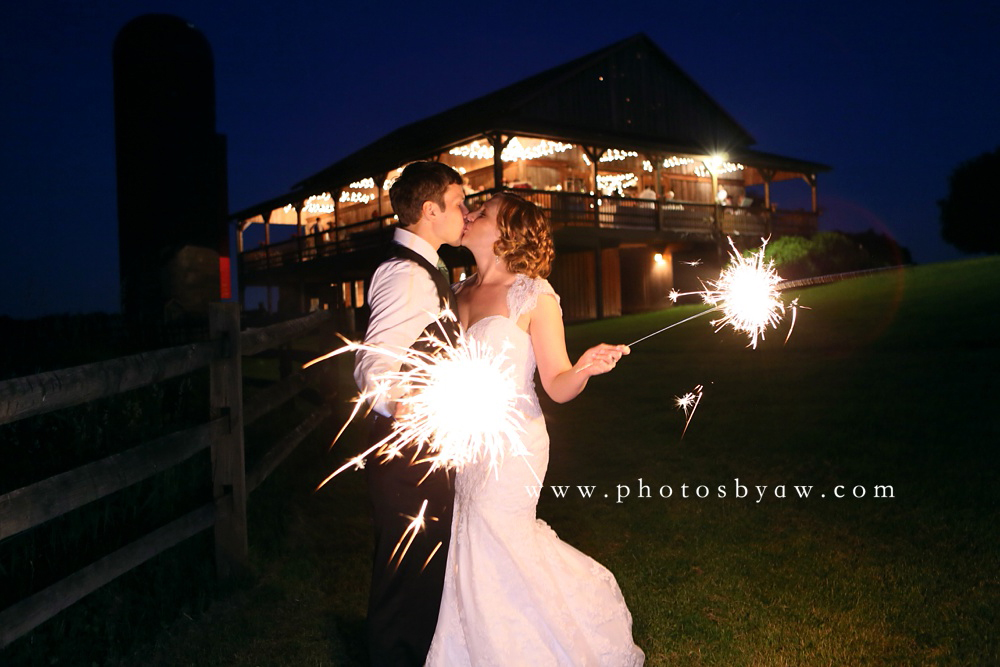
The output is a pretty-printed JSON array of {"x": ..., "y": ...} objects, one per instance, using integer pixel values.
[
  {"x": 613, "y": 155},
  {"x": 356, "y": 197},
  {"x": 513, "y": 151},
  {"x": 674, "y": 161},
  {"x": 474, "y": 151},
  {"x": 609, "y": 183},
  {"x": 363, "y": 184},
  {"x": 703, "y": 171},
  {"x": 322, "y": 203}
]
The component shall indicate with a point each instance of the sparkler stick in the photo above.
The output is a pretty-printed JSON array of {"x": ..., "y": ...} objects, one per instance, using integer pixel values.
[{"x": 686, "y": 319}]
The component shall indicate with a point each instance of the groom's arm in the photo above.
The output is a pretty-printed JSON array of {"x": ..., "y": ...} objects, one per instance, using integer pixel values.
[{"x": 403, "y": 300}]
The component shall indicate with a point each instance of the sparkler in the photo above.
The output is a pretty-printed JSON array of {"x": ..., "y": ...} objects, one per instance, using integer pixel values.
[
  {"x": 459, "y": 406},
  {"x": 689, "y": 403},
  {"x": 746, "y": 294}
]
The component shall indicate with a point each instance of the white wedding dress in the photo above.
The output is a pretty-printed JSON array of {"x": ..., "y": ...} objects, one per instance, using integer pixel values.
[{"x": 514, "y": 593}]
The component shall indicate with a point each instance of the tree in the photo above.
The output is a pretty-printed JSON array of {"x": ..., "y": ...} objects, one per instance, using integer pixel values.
[{"x": 969, "y": 214}]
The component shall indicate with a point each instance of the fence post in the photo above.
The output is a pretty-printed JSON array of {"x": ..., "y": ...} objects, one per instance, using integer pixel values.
[{"x": 228, "y": 466}]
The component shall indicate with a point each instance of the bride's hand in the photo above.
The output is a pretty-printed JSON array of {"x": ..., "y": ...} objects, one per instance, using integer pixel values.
[{"x": 600, "y": 358}]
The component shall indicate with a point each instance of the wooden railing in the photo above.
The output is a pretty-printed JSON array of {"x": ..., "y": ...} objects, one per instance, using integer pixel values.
[
  {"x": 30, "y": 506},
  {"x": 350, "y": 238},
  {"x": 564, "y": 209}
]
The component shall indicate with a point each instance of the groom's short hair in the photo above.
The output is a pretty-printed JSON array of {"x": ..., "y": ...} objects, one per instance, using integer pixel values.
[{"x": 420, "y": 182}]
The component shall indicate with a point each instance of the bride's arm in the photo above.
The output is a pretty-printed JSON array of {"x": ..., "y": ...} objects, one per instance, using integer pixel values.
[{"x": 562, "y": 380}]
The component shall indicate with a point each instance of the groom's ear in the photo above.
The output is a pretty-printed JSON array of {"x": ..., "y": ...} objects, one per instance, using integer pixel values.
[{"x": 429, "y": 209}]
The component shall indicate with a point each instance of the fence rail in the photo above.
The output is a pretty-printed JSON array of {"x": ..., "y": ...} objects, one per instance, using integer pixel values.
[{"x": 30, "y": 506}]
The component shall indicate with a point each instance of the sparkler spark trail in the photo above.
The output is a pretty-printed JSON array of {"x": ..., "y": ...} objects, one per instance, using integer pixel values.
[
  {"x": 689, "y": 403},
  {"x": 441, "y": 420},
  {"x": 415, "y": 526}
]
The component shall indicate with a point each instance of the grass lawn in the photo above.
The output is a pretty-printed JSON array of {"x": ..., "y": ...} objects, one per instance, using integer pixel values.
[{"x": 887, "y": 387}]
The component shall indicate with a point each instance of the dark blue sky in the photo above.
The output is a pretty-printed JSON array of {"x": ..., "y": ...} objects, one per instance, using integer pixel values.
[{"x": 893, "y": 95}]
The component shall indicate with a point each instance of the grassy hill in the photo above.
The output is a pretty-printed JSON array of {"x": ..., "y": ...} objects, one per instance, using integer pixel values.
[{"x": 887, "y": 389}]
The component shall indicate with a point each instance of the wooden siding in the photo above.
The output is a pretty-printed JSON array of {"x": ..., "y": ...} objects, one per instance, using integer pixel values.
[{"x": 573, "y": 279}]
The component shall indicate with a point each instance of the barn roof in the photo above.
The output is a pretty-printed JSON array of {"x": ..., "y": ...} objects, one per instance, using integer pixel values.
[{"x": 629, "y": 95}]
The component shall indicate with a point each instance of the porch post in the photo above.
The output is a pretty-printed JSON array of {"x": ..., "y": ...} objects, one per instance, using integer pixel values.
[
  {"x": 811, "y": 180},
  {"x": 594, "y": 153},
  {"x": 498, "y": 143},
  {"x": 379, "y": 181},
  {"x": 298, "y": 244},
  {"x": 298, "y": 227},
  {"x": 767, "y": 175},
  {"x": 658, "y": 170},
  {"x": 599, "y": 279}
]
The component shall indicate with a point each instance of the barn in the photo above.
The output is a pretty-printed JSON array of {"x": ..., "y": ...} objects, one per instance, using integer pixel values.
[{"x": 643, "y": 175}]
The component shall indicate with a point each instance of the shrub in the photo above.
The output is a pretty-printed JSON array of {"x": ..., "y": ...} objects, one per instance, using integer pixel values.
[{"x": 834, "y": 252}]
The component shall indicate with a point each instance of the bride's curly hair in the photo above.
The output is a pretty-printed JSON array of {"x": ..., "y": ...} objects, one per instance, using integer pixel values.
[{"x": 525, "y": 243}]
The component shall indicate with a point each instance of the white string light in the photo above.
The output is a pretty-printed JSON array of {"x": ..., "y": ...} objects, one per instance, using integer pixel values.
[
  {"x": 363, "y": 184},
  {"x": 513, "y": 151},
  {"x": 674, "y": 161},
  {"x": 356, "y": 197},
  {"x": 608, "y": 183},
  {"x": 322, "y": 203},
  {"x": 703, "y": 171},
  {"x": 613, "y": 155}
]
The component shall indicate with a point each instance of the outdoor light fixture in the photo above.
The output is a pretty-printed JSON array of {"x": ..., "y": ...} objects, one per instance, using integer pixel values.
[{"x": 658, "y": 258}]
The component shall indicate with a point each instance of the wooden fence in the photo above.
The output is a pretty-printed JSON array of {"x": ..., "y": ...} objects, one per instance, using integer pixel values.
[{"x": 42, "y": 501}]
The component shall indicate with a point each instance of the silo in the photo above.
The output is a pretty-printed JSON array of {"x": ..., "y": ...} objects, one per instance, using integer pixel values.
[{"x": 172, "y": 193}]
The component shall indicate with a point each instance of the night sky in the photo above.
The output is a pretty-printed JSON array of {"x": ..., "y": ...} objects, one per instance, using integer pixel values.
[{"x": 892, "y": 95}]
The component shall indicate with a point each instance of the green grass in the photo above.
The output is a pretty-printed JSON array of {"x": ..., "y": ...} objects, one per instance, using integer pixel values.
[{"x": 889, "y": 379}]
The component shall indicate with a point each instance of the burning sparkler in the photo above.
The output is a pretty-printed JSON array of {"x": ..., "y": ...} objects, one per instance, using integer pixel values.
[
  {"x": 746, "y": 294},
  {"x": 459, "y": 406},
  {"x": 689, "y": 403}
]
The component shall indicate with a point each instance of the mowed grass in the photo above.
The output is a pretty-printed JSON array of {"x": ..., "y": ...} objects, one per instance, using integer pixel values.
[{"x": 887, "y": 386}]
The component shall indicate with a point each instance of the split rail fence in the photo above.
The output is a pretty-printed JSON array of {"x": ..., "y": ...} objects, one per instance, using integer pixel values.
[{"x": 32, "y": 505}]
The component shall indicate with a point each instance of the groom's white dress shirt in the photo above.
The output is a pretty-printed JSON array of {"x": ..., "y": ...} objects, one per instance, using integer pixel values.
[{"x": 404, "y": 301}]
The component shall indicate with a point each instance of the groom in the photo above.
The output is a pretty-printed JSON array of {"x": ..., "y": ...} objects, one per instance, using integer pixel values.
[{"x": 407, "y": 294}]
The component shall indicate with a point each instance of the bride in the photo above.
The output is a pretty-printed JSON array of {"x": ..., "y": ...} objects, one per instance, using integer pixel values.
[{"x": 514, "y": 593}]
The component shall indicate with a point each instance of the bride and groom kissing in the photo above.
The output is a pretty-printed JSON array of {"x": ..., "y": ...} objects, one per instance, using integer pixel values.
[{"x": 486, "y": 582}]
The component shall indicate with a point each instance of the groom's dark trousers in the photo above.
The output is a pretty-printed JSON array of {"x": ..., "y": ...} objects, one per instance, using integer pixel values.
[
  {"x": 406, "y": 589},
  {"x": 406, "y": 593}
]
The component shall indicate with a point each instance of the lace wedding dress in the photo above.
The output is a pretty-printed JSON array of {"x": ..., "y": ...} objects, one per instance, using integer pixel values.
[{"x": 514, "y": 593}]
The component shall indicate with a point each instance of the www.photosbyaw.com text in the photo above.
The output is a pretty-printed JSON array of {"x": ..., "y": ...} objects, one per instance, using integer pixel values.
[{"x": 754, "y": 492}]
